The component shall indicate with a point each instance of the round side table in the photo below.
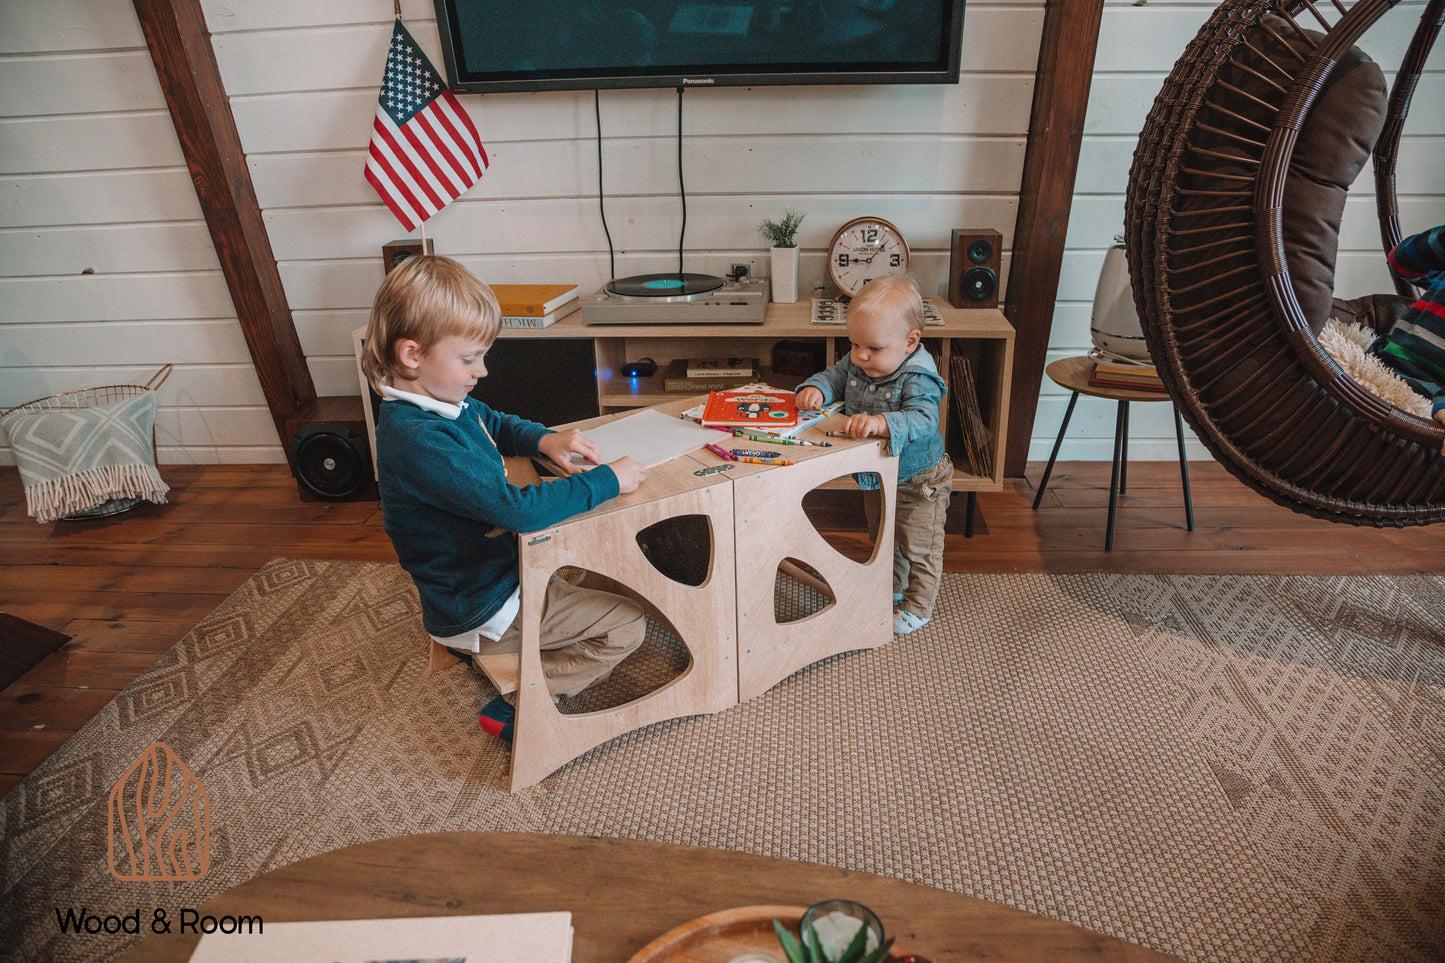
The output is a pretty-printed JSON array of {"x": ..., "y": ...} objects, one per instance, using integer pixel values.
[{"x": 1073, "y": 374}]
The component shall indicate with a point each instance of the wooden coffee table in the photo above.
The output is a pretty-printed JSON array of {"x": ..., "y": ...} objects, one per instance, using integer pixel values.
[{"x": 624, "y": 893}]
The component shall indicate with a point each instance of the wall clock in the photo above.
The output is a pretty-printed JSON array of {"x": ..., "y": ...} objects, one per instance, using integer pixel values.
[{"x": 863, "y": 249}]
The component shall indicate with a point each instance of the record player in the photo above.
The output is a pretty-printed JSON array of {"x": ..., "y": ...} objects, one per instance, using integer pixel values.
[{"x": 678, "y": 299}]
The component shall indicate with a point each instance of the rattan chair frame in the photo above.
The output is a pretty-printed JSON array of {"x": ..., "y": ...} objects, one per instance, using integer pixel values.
[{"x": 1245, "y": 369}]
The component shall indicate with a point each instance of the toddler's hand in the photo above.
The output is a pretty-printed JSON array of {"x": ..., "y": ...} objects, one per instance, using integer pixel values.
[
  {"x": 629, "y": 474},
  {"x": 561, "y": 445},
  {"x": 866, "y": 426},
  {"x": 810, "y": 397}
]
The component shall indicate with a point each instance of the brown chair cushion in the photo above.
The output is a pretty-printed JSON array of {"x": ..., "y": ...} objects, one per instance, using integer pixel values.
[{"x": 1334, "y": 144}]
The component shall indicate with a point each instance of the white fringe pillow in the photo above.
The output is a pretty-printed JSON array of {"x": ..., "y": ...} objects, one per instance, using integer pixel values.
[{"x": 1346, "y": 341}]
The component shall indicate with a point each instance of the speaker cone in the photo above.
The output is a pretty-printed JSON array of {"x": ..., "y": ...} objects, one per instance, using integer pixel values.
[
  {"x": 978, "y": 284},
  {"x": 330, "y": 460},
  {"x": 980, "y": 251}
]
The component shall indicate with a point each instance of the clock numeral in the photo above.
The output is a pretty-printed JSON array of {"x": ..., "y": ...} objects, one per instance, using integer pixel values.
[
  {"x": 843, "y": 259},
  {"x": 895, "y": 260},
  {"x": 869, "y": 235}
]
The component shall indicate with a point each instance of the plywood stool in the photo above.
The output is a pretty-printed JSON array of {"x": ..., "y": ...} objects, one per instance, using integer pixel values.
[
  {"x": 604, "y": 542},
  {"x": 772, "y": 528}
]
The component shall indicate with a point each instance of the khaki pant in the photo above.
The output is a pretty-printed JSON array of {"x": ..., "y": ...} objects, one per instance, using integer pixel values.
[
  {"x": 584, "y": 634},
  {"x": 920, "y": 513}
]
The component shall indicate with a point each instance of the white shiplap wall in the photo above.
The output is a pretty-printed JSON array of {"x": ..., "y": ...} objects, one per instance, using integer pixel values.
[{"x": 106, "y": 270}]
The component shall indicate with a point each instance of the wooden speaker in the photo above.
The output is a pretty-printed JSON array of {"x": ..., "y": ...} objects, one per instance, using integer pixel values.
[
  {"x": 394, "y": 252},
  {"x": 329, "y": 450},
  {"x": 973, "y": 266}
]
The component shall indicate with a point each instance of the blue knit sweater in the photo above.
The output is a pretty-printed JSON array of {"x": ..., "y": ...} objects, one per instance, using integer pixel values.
[
  {"x": 1415, "y": 345},
  {"x": 444, "y": 491}
]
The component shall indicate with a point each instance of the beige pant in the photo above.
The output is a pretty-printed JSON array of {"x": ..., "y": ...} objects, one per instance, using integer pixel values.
[
  {"x": 584, "y": 634},
  {"x": 920, "y": 513}
]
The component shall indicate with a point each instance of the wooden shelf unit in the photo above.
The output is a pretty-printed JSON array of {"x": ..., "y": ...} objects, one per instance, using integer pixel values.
[{"x": 982, "y": 335}]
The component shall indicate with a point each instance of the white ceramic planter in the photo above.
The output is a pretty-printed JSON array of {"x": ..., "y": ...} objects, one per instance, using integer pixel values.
[{"x": 785, "y": 274}]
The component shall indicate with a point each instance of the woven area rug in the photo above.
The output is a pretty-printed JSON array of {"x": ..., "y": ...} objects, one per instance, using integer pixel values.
[{"x": 1221, "y": 768}]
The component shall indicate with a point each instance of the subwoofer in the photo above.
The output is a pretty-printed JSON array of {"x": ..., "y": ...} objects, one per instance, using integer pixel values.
[
  {"x": 332, "y": 460},
  {"x": 973, "y": 267}
]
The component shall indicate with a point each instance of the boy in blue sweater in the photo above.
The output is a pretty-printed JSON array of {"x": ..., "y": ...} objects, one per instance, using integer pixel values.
[
  {"x": 446, "y": 503},
  {"x": 1415, "y": 345},
  {"x": 891, "y": 389}
]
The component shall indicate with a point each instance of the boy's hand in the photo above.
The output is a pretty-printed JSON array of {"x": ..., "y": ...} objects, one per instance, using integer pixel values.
[
  {"x": 629, "y": 474},
  {"x": 810, "y": 397},
  {"x": 866, "y": 426},
  {"x": 559, "y": 446}
]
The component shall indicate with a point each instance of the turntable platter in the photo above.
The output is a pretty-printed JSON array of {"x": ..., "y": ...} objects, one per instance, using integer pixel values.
[{"x": 669, "y": 287}]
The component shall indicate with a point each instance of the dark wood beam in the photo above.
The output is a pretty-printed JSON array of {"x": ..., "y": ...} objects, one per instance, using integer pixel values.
[
  {"x": 1056, "y": 129},
  {"x": 180, "y": 46}
]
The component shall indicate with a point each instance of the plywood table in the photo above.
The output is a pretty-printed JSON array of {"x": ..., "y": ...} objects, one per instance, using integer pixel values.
[
  {"x": 623, "y": 893},
  {"x": 737, "y": 648}
]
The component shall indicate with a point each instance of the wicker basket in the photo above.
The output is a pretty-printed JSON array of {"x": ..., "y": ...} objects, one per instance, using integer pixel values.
[{"x": 90, "y": 398}]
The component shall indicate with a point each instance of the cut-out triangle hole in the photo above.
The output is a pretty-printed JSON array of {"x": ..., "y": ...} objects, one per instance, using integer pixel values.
[
  {"x": 799, "y": 592},
  {"x": 681, "y": 548},
  {"x": 847, "y": 516},
  {"x": 661, "y": 658}
]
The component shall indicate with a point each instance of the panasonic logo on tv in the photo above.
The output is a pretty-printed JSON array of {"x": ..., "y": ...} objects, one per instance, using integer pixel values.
[{"x": 695, "y": 81}]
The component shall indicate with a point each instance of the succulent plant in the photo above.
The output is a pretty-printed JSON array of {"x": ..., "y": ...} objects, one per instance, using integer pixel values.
[{"x": 808, "y": 950}]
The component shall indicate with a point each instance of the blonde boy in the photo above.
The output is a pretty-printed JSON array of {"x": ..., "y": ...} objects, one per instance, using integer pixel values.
[{"x": 446, "y": 503}]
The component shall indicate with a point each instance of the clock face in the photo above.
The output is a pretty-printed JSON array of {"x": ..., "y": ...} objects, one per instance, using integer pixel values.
[{"x": 863, "y": 249}]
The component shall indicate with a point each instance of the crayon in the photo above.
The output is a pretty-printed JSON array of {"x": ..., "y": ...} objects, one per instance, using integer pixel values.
[
  {"x": 784, "y": 441},
  {"x": 754, "y": 453},
  {"x": 836, "y": 434},
  {"x": 721, "y": 453},
  {"x": 761, "y": 461}
]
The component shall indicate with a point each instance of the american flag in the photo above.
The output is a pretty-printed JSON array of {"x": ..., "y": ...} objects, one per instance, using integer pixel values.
[{"x": 424, "y": 150}]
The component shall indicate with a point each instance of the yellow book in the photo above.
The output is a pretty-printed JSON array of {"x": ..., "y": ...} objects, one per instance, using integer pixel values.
[{"x": 533, "y": 300}]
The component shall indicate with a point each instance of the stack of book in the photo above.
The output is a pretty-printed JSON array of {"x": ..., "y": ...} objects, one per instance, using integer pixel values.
[
  {"x": 1140, "y": 377},
  {"x": 709, "y": 374},
  {"x": 536, "y": 305}
]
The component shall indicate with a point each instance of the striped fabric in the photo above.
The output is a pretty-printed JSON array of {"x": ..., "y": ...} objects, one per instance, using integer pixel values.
[
  {"x": 1415, "y": 346},
  {"x": 425, "y": 152}
]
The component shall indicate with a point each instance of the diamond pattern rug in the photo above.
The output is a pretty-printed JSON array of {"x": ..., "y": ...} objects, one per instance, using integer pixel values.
[{"x": 1223, "y": 768}]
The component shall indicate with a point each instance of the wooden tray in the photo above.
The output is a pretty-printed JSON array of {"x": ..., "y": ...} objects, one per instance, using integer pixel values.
[{"x": 721, "y": 936}]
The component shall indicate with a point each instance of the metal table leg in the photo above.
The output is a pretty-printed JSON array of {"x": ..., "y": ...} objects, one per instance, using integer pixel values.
[
  {"x": 1053, "y": 455},
  {"x": 1124, "y": 453},
  {"x": 1184, "y": 470},
  {"x": 1121, "y": 429}
]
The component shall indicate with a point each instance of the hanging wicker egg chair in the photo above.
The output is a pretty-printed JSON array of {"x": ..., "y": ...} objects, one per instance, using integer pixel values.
[{"x": 1233, "y": 209}]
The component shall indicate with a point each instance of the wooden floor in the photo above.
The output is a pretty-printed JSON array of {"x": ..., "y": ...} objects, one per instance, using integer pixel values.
[{"x": 127, "y": 588}]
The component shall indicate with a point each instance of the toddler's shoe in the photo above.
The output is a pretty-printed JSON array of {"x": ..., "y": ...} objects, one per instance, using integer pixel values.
[
  {"x": 905, "y": 622},
  {"x": 496, "y": 718},
  {"x": 897, "y": 597}
]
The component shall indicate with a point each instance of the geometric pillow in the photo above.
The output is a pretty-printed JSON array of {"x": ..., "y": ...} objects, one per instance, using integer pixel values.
[{"x": 78, "y": 460}]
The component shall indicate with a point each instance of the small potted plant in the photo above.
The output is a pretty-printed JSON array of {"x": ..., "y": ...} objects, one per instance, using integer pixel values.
[
  {"x": 835, "y": 931},
  {"x": 782, "y": 235}
]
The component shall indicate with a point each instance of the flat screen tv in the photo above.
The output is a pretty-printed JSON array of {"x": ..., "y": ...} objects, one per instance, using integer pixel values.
[{"x": 493, "y": 46}]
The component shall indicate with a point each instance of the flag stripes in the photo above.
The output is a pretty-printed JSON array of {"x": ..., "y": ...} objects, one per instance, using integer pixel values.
[{"x": 425, "y": 152}]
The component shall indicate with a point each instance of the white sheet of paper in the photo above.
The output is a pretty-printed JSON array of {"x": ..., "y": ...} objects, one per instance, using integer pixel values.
[
  {"x": 650, "y": 437},
  {"x": 539, "y": 937}
]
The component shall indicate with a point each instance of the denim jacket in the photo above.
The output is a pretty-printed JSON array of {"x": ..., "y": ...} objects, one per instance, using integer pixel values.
[{"x": 908, "y": 399}]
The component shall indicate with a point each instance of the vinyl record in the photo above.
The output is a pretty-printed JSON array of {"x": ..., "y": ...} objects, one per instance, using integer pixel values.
[{"x": 677, "y": 287}]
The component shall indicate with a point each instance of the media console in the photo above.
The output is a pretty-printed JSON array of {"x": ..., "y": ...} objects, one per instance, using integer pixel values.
[{"x": 982, "y": 335}]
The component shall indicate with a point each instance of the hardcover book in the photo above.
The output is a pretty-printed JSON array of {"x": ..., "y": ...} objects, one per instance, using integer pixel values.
[
  {"x": 540, "y": 321},
  {"x": 676, "y": 378},
  {"x": 722, "y": 368},
  {"x": 751, "y": 406},
  {"x": 533, "y": 300}
]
